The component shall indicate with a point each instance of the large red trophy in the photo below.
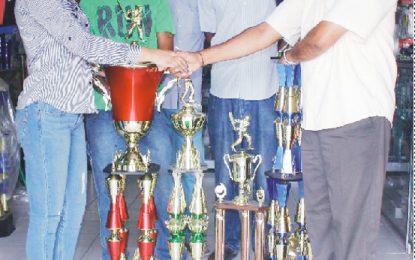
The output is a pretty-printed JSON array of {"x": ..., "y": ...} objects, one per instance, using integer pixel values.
[{"x": 133, "y": 91}]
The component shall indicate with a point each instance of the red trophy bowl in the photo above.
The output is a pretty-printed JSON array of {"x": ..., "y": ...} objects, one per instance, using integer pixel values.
[{"x": 133, "y": 91}]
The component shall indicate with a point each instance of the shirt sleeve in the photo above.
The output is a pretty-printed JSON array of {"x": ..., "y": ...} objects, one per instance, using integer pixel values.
[
  {"x": 62, "y": 24},
  {"x": 359, "y": 17},
  {"x": 207, "y": 16},
  {"x": 286, "y": 20},
  {"x": 163, "y": 18}
]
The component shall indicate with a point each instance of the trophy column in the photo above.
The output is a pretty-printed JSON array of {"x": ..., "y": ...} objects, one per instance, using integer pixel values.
[
  {"x": 282, "y": 242},
  {"x": 188, "y": 121},
  {"x": 242, "y": 168}
]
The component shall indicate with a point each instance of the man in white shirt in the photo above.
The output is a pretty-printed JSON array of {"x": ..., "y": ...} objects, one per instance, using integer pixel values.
[
  {"x": 348, "y": 72},
  {"x": 245, "y": 87}
]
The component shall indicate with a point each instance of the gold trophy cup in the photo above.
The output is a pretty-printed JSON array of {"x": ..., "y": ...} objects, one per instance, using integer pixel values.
[{"x": 188, "y": 121}]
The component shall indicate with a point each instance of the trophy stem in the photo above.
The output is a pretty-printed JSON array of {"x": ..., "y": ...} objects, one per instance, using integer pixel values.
[
  {"x": 188, "y": 156},
  {"x": 147, "y": 238},
  {"x": 220, "y": 234},
  {"x": 245, "y": 234},
  {"x": 198, "y": 222},
  {"x": 177, "y": 221}
]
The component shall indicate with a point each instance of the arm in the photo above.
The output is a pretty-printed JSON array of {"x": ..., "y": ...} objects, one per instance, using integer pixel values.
[
  {"x": 165, "y": 41},
  {"x": 249, "y": 41},
  {"x": 317, "y": 41}
]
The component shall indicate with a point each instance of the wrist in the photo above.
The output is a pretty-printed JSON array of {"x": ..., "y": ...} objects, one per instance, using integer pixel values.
[
  {"x": 286, "y": 59},
  {"x": 201, "y": 59}
]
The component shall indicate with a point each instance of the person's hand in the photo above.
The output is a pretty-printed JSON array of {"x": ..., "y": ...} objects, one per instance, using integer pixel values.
[
  {"x": 193, "y": 59},
  {"x": 168, "y": 60}
]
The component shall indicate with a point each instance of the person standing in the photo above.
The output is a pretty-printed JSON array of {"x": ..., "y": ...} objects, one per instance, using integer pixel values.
[
  {"x": 49, "y": 117},
  {"x": 244, "y": 87},
  {"x": 348, "y": 78},
  {"x": 107, "y": 19},
  {"x": 165, "y": 141}
]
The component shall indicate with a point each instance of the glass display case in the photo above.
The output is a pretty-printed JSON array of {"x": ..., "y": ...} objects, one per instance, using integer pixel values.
[{"x": 398, "y": 191}]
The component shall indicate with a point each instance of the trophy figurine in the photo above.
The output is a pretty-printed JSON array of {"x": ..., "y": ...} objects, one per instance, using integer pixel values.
[
  {"x": 133, "y": 91},
  {"x": 242, "y": 162},
  {"x": 178, "y": 221},
  {"x": 188, "y": 121}
]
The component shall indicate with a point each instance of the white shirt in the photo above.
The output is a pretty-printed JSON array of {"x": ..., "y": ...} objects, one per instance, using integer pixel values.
[
  {"x": 355, "y": 78},
  {"x": 250, "y": 78}
]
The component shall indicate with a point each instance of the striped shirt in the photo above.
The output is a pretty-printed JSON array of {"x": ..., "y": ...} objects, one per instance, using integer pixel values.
[
  {"x": 253, "y": 77},
  {"x": 59, "y": 48}
]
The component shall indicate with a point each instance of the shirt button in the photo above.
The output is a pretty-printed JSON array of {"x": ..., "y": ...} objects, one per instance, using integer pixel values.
[
  {"x": 69, "y": 38},
  {"x": 90, "y": 82}
]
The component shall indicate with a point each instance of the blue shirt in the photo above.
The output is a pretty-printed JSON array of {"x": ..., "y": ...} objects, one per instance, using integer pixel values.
[{"x": 59, "y": 49}]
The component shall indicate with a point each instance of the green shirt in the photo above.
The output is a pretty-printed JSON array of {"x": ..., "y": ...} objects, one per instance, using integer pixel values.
[{"x": 107, "y": 20}]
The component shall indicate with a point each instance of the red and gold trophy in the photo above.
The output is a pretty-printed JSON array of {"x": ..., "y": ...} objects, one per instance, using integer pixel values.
[{"x": 133, "y": 91}]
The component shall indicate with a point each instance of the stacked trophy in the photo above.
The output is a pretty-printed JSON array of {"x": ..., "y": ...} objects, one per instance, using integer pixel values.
[
  {"x": 188, "y": 121},
  {"x": 283, "y": 242},
  {"x": 242, "y": 167},
  {"x": 133, "y": 91}
]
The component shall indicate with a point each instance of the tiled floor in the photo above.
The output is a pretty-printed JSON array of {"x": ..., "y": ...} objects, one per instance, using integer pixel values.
[{"x": 390, "y": 246}]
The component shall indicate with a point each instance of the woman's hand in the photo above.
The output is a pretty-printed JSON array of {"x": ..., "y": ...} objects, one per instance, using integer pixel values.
[{"x": 165, "y": 60}]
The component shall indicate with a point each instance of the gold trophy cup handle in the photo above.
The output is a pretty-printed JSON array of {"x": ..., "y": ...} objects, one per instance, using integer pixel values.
[
  {"x": 257, "y": 158},
  {"x": 227, "y": 160}
]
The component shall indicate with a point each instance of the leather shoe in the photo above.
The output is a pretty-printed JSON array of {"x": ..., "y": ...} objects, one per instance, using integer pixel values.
[{"x": 228, "y": 254}]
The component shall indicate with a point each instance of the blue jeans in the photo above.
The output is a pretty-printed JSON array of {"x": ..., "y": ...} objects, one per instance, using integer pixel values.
[
  {"x": 56, "y": 174},
  {"x": 222, "y": 136},
  {"x": 163, "y": 141}
]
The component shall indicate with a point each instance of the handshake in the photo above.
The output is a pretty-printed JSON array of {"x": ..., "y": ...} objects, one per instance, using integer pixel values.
[{"x": 181, "y": 64}]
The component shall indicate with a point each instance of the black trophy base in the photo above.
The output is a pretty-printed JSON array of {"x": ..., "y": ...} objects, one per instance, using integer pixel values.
[
  {"x": 6, "y": 225},
  {"x": 152, "y": 168},
  {"x": 277, "y": 174}
]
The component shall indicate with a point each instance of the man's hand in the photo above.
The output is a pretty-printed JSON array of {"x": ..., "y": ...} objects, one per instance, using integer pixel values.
[
  {"x": 165, "y": 60},
  {"x": 194, "y": 61}
]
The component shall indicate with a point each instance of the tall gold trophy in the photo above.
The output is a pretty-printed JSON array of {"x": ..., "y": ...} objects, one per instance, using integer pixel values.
[
  {"x": 242, "y": 168},
  {"x": 242, "y": 162},
  {"x": 188, "y": 121}
]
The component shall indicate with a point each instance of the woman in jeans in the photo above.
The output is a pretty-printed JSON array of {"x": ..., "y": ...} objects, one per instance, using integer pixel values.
[{"x": 57, "y": 91}]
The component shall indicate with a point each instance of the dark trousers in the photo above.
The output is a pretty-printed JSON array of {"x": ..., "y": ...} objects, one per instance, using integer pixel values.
[{"x": 344, "y": 171}]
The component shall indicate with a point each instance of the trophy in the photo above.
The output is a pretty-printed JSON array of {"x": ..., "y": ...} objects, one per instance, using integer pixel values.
[
  {"x": 147, "y": 234},
  {"x": 242, "y": 162},
  {"x": 242, "y": 168},
  {"x": 188, "y": 121},
  {"x": 198, "y": 220},
  {"x": 178, "y": 221},
  {"x": 133, "y": 91},
  {"x": 282, "y": 242},
  {"x": 114, "y": 223}
]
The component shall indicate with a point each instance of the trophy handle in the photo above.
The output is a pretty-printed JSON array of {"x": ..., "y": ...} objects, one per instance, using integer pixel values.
[
  {"x": 160, "y": 96},
  {"x": 258, "y": 158},
  {"x": 227, "y": 160}
]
